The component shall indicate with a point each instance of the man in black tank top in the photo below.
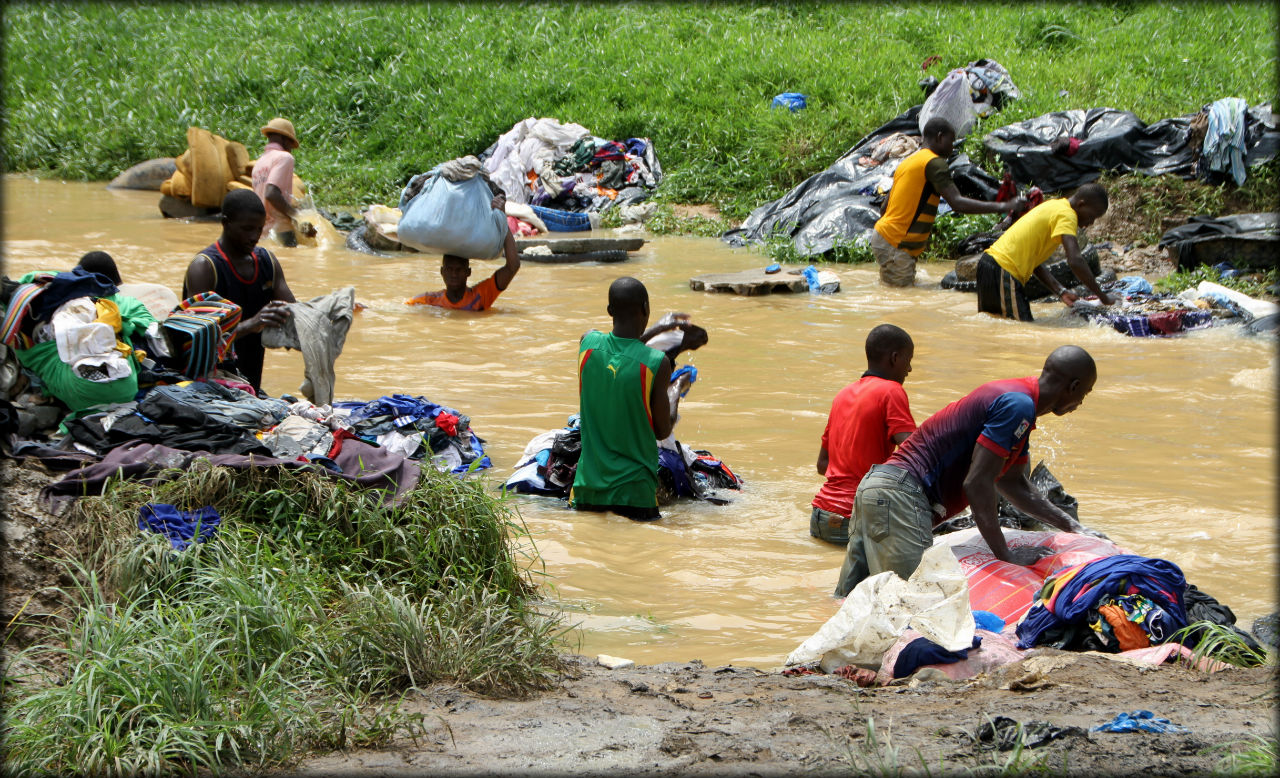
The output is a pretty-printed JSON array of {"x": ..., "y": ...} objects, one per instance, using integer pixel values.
[{"x": 246, "y": 274}]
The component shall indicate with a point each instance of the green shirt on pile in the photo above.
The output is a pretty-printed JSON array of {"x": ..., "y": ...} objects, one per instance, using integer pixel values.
[{"x": 619, "y": 460}]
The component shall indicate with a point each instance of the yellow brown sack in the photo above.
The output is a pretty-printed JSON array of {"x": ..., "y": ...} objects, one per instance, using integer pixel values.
[
  {"x": 234, "y": 185},
  {"x": 178, "y": 185},
  {"x": 237, "y": 159},
  {"x": 209, "y": 169}
]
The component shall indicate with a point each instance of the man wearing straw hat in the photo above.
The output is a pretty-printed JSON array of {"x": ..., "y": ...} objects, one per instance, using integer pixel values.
[{"x": 273, "y": 179}]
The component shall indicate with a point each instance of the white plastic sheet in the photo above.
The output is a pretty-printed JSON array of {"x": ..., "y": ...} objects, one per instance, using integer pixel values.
[{"x": 934, "y": 601}]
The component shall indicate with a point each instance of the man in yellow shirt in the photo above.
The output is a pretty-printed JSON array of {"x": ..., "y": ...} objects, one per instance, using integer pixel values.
[
  {"x": 1023, "y": 249},
  {"x": 902, "y": 233}
]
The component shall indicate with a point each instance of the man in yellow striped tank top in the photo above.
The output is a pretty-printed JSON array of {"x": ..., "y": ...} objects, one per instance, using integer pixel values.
[{"x": 903, "y": 231}]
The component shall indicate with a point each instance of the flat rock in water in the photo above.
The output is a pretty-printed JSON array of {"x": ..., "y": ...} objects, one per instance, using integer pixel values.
[
  {"x": 147, "y": 175},
  {"x": 553, "y": 258},
  {"x": 581, "y": 245},
  {"x": 750, "y": 282}
]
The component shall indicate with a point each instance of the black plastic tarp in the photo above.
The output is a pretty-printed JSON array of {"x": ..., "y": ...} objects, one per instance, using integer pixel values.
[
  {"x": 1243, "y": 239},
  {"x": 1113, "y": 140},
  {"x": 840, "y": 202}
]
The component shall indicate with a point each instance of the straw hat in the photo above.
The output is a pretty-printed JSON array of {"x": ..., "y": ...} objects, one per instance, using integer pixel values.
[{"x": 281, "y": 127}]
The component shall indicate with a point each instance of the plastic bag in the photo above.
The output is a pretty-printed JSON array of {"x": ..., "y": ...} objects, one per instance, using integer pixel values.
[
  {"x": 934, "y": 601},
  {"x": 951, "y": 101},
  {"x": 453, "y": 217}
]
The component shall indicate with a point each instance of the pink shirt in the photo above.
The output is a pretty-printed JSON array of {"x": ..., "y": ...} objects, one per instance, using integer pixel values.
[{"x": 275, "y": 166}]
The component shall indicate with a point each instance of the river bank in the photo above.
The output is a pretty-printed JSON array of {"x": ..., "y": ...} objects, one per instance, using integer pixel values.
[{"x": 688, "y": 717}]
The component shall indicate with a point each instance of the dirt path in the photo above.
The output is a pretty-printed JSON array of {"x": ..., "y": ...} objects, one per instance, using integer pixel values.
[{"x": 687, "y": 718}]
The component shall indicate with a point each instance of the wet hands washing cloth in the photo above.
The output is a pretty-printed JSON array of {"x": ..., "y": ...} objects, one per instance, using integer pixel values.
[{"x": 317, "y": 328}]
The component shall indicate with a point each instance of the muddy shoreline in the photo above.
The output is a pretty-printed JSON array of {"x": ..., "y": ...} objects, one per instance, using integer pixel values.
[{"x": 689, "y": 718}]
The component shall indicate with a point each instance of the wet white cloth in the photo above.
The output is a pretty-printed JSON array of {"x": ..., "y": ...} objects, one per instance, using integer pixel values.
[
  {"x": 86, "y": 344},
  {"x": 399, "y": 443},
  {"x": 934, "y": 601},
  {"x": 317, "y": 328}
]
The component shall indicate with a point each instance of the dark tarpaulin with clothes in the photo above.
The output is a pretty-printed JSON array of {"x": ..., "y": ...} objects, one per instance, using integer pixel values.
[
  {"x": 1244, "y": 239},
  {"x": 1112, "y": 140},
  {"x": 364, "y": 464},
  {"x": 841, "y": 201}
]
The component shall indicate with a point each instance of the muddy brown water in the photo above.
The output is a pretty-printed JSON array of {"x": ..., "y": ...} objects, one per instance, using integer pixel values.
[{"x": 1173, "y": 454}]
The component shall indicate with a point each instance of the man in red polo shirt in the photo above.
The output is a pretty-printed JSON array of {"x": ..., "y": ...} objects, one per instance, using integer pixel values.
[{"x": 868, "y": 419}]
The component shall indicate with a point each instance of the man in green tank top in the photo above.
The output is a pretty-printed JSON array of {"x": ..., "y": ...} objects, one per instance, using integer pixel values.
[{"x": 625, "y": 410}]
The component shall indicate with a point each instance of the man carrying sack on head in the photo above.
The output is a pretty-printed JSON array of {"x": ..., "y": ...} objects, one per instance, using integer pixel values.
[{"x": 273, "y": 179}]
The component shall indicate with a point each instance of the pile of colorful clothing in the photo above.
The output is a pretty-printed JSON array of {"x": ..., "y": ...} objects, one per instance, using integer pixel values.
[
  {"x": 1144, "y": 313},
  {"x": 564, "y": 167},
  {"x": 416, "y": 428},
  {"x": 1113, "y": 604},
  {"x": 550, "y": 460}
]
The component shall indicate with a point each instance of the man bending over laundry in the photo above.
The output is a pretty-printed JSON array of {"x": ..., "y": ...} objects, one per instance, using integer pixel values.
[
  {"x": 869, "y": 418},
  {"x": 456, "y": 270},
  {"x": 625, "y": 409},
  {"x": 965, "y": 455},
  {"x": 1023, "y": 249}
]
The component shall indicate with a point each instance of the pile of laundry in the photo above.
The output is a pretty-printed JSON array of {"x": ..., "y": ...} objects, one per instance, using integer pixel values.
[
  {"x": 964, "y": 612},
  {"x": 1142, "y": 312},
  {"x": 415, "y": 428},
  {"x": 76, "y": 337},
  {"x": 550, "y": 461},
  {"x": 564, "y": 167}
]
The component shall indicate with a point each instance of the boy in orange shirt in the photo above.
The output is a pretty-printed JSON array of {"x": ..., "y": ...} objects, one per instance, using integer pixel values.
[{"x": 455, "y": 270}]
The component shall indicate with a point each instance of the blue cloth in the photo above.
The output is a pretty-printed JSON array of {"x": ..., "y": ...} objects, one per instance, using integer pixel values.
[
  {"x": 1158, "y": 580},
  {"x": 674, "y": 463},
  {"x": 923, "y": 651},
  {"x": 180, "y": 527},
  {"x": 792, "y": 101},
  {"x": 682, "y": 370},
  {"x": 811, "y": 275},
  {"x": 1139, "y": 721},
  {"x": 988, "y": 621},
  {"x": 1135, "y": 285},
  {"x": 562, "y": 221},
  {"x": 1225, "y": 139},
  {"x": 71, "y": 285}
]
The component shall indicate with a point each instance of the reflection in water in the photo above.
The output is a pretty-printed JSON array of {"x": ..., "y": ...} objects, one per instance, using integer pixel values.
[{"x": 1172, "y": 454}]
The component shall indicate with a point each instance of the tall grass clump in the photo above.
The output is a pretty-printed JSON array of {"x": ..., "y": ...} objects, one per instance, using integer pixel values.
[
  {"x": 290, "y": 630},
  {"x": 379, "y": 92}
]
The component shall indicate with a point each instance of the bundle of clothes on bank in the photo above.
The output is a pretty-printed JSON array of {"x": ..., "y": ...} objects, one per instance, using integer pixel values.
[
  {"x": 964, "y": 612},
  {"x": 1144, "y": 313},
  {"x": 90, "y": 379},
  {"x": 564, "y": 167}
]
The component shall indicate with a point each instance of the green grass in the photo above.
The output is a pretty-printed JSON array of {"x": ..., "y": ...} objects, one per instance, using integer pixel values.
[
  {"x": 1221, "y": 643},
  {"x": 1255, "y": 756},
  {"x": 1257, "y": 284},
  {"x": 296, "y": 628},
  {"x": 379, "y": 92}
]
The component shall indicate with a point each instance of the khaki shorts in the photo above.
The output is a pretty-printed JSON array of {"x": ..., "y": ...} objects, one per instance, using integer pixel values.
[
  {"x": 892, "y": 527},
  {"x": 897, "y": 267}
]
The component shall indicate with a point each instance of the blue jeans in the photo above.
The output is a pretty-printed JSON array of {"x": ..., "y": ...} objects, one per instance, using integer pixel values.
[
  {"x": 563, "y": 221},
  {"x": 891, "y": 527}
]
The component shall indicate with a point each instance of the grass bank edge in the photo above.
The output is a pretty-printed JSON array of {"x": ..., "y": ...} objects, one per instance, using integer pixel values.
[{"x": 298, "y": 627}]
